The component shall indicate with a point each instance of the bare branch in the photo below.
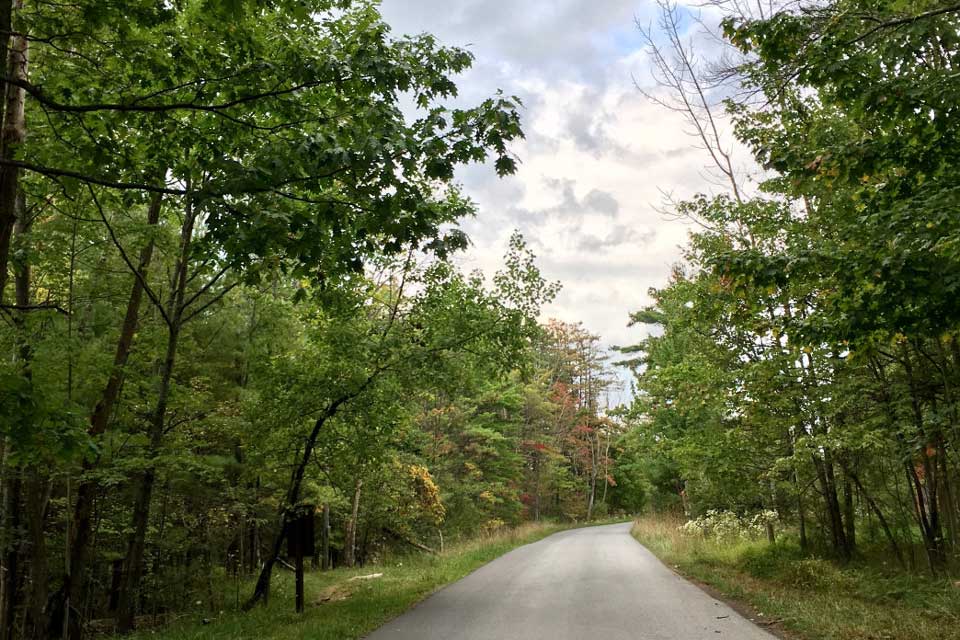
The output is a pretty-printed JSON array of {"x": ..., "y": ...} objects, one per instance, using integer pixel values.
[{"x": 123, "y": 254}]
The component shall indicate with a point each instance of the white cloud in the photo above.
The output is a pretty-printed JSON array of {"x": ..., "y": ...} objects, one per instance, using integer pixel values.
[{"x": 597, "y": 157}]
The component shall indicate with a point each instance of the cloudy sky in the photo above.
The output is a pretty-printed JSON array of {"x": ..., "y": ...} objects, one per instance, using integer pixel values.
[{"x": 597, "y": 155}]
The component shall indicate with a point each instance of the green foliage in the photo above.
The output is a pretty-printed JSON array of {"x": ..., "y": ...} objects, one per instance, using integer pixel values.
[{"x": 806, "y": 360}]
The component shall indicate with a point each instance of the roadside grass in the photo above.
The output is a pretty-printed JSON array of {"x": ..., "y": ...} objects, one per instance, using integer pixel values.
[
  {"x": 810, "y": 597},
  {"x": 352, "y": 608}
]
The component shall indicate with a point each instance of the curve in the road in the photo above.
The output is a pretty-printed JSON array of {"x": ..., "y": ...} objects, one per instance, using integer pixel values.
[{"x": 596, "y": 582}]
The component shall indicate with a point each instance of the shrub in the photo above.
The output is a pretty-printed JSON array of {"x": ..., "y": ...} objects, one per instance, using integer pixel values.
[{"x": 726, "y": 526}]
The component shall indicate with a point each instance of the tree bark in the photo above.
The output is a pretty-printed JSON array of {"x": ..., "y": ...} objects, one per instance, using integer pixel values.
[
  {"x": 133, "y": 563},
  {"x": 802, "y": 518},
  {"x": 325, "y": 539},
  {"x": 948, "y": 506},
  {"x": 828, "y": 488},
  {"x": 66, "y": 601},
  {"x": 36, "y": 483},
  {"x": 12, "y": 135},
  {"x": 849, "y": 514},
  {"x": 536, "y": 476},
  {"x": 12, "y": 534},
  {"x": 19, "y": 510},
  {"x": 13, "y": 53},
  {"x": 261, "y": 591},
  {"x": 891, "y": 540},
  {"x": 926, "y": 504},
  {"x": 37, "y": 495},
  {"x": 350, "y": 535}
]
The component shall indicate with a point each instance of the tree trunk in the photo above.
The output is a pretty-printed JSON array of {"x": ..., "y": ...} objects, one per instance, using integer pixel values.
[
  {"x": 37, "y": 496},
  {"x": 802, "y": 518},
  {"x": 133, "y": 563},
  {"x": 880, "y": 517},
  {"x": 948, "y": 506},
  {"x": 594, "y": 454},
  {"x": 35, "y": 483},
  {"x": 12, "y": 534},
  {"x": 14, "y": 55},
  {"x": 67, "y": 600},
  {"x": 325, "y": 539},
  {"x": 771, "y": 532},
  {"x": 926, "y": 504},
  {"x": 849, "y": 514},
  {"x": 828, "y": 488},
  {"x": 14, "y": 62},
  {"x": 929, "y": 524},
  {"x": 350, "y": 535},
  {"x": 536, "y": 476},
  {"x": 261, "y": 591},
  {"x": 13, "y": 133}
]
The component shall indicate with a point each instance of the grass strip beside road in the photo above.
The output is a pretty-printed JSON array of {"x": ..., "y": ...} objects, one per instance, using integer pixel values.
[
  {"x": 340, "y": 609},
  {"x": 799, "y": 596}
]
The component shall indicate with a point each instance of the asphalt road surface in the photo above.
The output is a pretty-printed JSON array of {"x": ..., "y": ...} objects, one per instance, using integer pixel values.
[{"x": 596, "y": 582}]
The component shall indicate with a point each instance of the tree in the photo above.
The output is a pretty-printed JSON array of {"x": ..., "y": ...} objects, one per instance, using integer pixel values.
[{"x": 306, "y": 178}]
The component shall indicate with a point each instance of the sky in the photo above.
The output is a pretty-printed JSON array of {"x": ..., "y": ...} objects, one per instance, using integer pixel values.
[{"x": 597, "y": 159}]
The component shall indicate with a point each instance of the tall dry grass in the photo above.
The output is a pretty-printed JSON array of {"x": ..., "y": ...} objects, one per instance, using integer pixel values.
[{"x": 813, "y": 597}]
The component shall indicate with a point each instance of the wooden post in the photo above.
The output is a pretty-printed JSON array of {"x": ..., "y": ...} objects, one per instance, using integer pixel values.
[
  {"x": 299, "y": 566},
  {"x": 300, "y": 543}
]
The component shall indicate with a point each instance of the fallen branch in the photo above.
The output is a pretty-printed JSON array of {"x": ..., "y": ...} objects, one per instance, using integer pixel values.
[
  {"x": 371, "y": 576},
  {"x": 412, "y": 543}
]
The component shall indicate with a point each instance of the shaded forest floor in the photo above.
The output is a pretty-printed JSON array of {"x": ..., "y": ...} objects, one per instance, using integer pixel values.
[
  {"x": 799, "y": 596},
  {"x": 340, "y": 608}
]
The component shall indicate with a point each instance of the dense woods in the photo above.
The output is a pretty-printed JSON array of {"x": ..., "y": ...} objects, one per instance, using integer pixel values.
[
  {"x": 808, "y": 362},
  {"x": 230, "y": 302}
]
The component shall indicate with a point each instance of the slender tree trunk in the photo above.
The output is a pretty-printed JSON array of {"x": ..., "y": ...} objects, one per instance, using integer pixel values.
[
  {"x": 12, "y": 535},
  {"x": 9, "y": 476},
  {"x": 828, "y": 488},
  {"x": 891, "y": 540},
  {"x": 133, "y": 564},
  {"x": 948, "y": 506},
  {"x": 255, "y": 532},
  {"x": 19, "y": 506},
  {"x": 325, "y": 539},
  {"x": 594, "y": 454},
  {"x": 36, "y": 483},
  {"x": 849, "y": 514},
  {"x": 37, "y": 496},
  {"x": 350, "y": 535},
  {"x": 802, "y": 518},
  {"x": 925, "y": 490},
  {"x": 771, "y": 532},
  {"x": 13, "y": 53},
  {"x": 606, "y": 472},
  {"x": 536, "y": 476},
  {"x": 67, "y": 600},
  {"x": 261, "y": 591},
  {"x": 13, "y": 133}
]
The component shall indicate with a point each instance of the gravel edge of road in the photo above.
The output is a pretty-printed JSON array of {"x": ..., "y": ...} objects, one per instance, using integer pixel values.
[{"x": 745, "y": 609}]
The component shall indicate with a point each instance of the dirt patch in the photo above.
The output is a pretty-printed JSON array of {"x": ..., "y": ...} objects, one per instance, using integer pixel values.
[{"x": 333, "y": 593}]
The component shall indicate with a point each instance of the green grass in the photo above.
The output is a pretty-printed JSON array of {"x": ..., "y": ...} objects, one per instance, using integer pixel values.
[
  {"x": 812, "y": 598},
  {"x": 369, "y": 603}
]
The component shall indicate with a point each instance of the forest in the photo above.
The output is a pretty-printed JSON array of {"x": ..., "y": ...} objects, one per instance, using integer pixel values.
[
  {"x": 231, "y": 301},
  {"x": 226, "y": 301},
  {"x": 808, "y": 362}
]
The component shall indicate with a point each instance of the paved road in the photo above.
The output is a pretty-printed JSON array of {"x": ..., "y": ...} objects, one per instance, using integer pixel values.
[{"x": 596, "y": 582}]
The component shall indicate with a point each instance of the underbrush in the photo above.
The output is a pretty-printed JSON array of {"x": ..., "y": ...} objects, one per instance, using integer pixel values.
[
  {"x": 810, "y": 596},
  {"x": 340, "y": 608}
]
